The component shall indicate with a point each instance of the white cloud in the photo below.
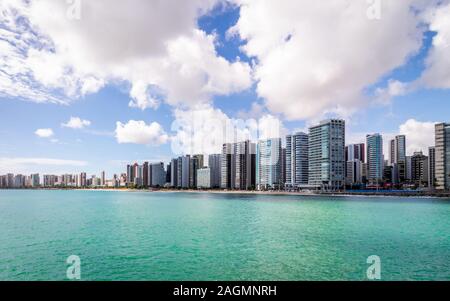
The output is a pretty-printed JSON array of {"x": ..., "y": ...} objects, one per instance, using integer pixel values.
[
  {"x": 153, "y": 45},
  {"x": 76, "y": 123},
  {"x": 394, "y": 88},
  {"x": 138, "y": 132},
  {"x": 316, "y": 58},
  {"x": 205, "y": 129},
  {"x": 256, "y": 111},
  {"x": 29, "y": 165},
  {"x": 419, "y": 135},
  {"x": 44, "y": 133},
  {"x": 437, "y": 73},
  {"x": 269, "y": 127}
]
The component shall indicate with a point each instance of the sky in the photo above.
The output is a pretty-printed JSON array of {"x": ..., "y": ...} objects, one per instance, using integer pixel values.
[{"x": 94, "y": 85}]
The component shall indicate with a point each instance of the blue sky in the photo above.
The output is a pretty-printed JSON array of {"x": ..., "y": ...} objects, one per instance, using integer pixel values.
[{"x": 96, "y": 147}]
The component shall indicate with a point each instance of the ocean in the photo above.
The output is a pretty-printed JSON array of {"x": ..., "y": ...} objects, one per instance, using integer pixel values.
[{"x": 210, "y": 236}]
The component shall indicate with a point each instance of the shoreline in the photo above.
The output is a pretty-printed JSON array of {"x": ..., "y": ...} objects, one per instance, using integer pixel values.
[{"x": 380, "y": 194}]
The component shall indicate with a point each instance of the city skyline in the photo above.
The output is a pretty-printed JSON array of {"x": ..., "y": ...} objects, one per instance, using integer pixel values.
[
  {"x": 78, "y": 104},
  {"x": 319, "y": 160}
]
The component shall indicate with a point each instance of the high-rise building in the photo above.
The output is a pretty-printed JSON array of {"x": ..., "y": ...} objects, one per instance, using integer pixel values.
[
  {"x": 174, "y": 173},
  {"x": 245, "y": 165},
  {"x": 204, "y": 178},
  {"x": 297, "y": 160},
  {"x": 19, "y": 181},
  {"x": 133, "y": 172},
  {"x": 442, "y": 159},
  {"x": 35, "y": 180},
  {"x": 375, "y": 158},
  {"x": 353, "y": 175},
  {"x": 355, "y": 152},
  {"x": 228, "y": 167},
  {"x": 158, "y": 175},
  {"x": 398, "y": 158},
  {"x": 185, "y": 171},
  {"x": 139, "y": 172},
  {"x": 83, "y": 179},
  {"x": 49, "y": 180},
  {"x": 195, "y": 163},
  {"x": 408, "y": 168},
  {"x": 283, "y": 165},
  {"x": 268, "y": 173},
  {"x": 215, "y": 166},
  {"x": 168, "y": 173},
  {"x": 387, "y": 174},
  {"x": 146, "y": 173},
  {"x": 179, "y": 172},
  {"x": 431, "y": 167},
  {"x": 238, "y": 165},
  {"x": 419, "y": 169},
  {"x": 354, "y": 159},
  {"x": 327, "y": 155},
  {"x": 102, "y": 179},
  {"x": 398, "y": 149}
]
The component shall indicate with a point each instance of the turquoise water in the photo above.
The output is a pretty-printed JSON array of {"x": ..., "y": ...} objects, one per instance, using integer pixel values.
[{"x": 182, "y": 236}]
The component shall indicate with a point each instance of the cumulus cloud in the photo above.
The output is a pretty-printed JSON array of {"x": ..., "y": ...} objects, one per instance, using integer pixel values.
[
  {"x": 154, "y": 46},
  {"x": 437, "y": 72},
  {"x": 315, "y": 58},
  {"x": 205, "y": 129},
  {"x": 138, "y": 132},
  {"x": 394, "y": 88},
  {"x": 44, "y": 133},
  {"x": 76, "y": 123},
  {"x": 419, "y": 135}
]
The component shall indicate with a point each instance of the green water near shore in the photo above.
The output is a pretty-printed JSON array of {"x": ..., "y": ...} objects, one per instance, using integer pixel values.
[{"x": 195, "y": 236}]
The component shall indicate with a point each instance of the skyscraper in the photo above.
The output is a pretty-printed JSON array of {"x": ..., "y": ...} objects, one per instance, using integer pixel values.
[
  {"x": 227, "y": 167},
  {"x": 398, "y": 149},
  {"x": 354, "y": 159},
  {"x": 174, "y": 173},
  {"x": 268, "y": 173},
  {"x": 168, "y": 173},
  {"x": 102, "y": 179},
  {"x": 245, "y": 165},
  {"x": 196, "y": 162},
  {"x": 419, "y": 169},
  {"x": 374, "y": 158},
  {"x": 398, "y": 158},
  {"x": 214, "y": 164},
  {"x": 179, "y": 172},
  {"x": 283, "y": 165},
  {"x": 442, "y": 165},
  {"x": 355, "y": 152},
  {"x": 327, "y": 155},
  {"x": 238, "y": 164},
  {"x": 35, "y": 180},
  {"x": 146, "y": 175},
  {"x": 297, "y": 160},
  {"x": 158, "y": 175},
  {"x": 431, "y": 167},
  {"x": 185, "y": 173}
]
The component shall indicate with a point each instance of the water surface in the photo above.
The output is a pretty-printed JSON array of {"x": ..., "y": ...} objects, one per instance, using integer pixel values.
[{"x": 193, "y": 236}]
